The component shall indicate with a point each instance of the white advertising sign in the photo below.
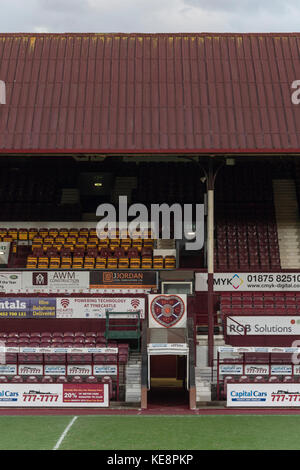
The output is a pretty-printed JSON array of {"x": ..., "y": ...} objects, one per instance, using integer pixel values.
[
  {"x": 263, "y": 395},
  {"x": 167, "y": 348},
  {"x": 8, "y": 369},
  {"x": 10, "y": 282},
  {"x": 54, "y": 395},
  {"x": 257, "y": 369},
  {"x": 167, "y": 311},
  {"x": 258, "y": 349},
  {"x": 85, "y": 369},
  {"x": 26, "y": 369},
  {"x": 233, "y": 282},
  {"x": 62, "y": 350},
  {"x": 56, "y": 281},
  {"x": 281, "y": 369},
  {"x": 230, "y": 369},
  {"x": 105, "y": 369},
  {"x": 261, "y": 325},
  {"x": 296, "y": 369},
  {"x": 95, "y": 307},
  {"x": 50, "y": 369}
]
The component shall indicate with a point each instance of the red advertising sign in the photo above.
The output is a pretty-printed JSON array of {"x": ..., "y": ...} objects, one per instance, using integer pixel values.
[{"x": 83, "y": 393}]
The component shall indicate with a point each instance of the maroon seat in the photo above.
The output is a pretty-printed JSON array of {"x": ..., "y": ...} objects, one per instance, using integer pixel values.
[
  {"x": 12, "y": 344},
  {"x": 24, "y": 344},
  {"x": 146, "y": 252},
  {"x": 68, "y": 340},
  {"x": 79, "y": 334},
  {"x": 259, "y": 379},
  {"x": 99, "y": 358},
  {"x": 24, "y": 335},
  {"x": 91, "y": 379},
  {"x": 92, "y": 252},
  {"x": 228, "y": 379},
  {"x": 30, "y": 358},
  {"x": 105, "y": 253},
  {"x": 112, "y": 358},
  {"x": 16, "y": 379},
  {"x": 32, "y": 379},
  {"x": 55, "y": 358},
  {"x": 79, "y": 358},
  {"x": 90, "y": 342},
  {"x": 123, "y": 358},
  {"x": 76, "y": 379},
  {"x": 244, "y": 379},
  {"x": 133, "y": 252},
  {"x": 47, "y": 379},
  {"x": 79, "y": 252},
  {"x": 57, "y": 334},
  {"x": 46, "y": 334},
  {"x": 108, "y": 380},
  {"x": 119, "y": 252},
  {"x": 61, "y": 379},
  {"x": 65, "y": 252},
  {"x": 45, "y": 345},
  {"x": 69, "y": 334},
  {"x": 58, "y": 340},
  {"x": 273, "y": 379},
  {"x": 35, "y": 334},
  {"x": 91, "y": 334},
  {"x": 11, "y": 358}
]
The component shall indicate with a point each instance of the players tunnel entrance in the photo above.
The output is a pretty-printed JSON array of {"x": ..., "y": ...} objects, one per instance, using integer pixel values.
[
  {"x": 168, "y": 381},
  {"x": 167, "y": 378}
]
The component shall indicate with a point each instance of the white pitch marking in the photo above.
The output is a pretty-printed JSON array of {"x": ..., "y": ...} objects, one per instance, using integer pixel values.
[{"x": 57, "y": 445}]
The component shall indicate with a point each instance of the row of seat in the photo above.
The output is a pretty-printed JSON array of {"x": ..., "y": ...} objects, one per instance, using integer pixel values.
[
  {"x": 58, "y": 338},
  {"x": 246, "y": 236},
  {"x": 260, "y": 358},
  {"x": 258, "y": 379},
  {"x": 71, "y": 235},
  {"x": 69, "y": 358},
  {"x": 54, "y": 379},
  {"x": 99, "y": 262},
  {"x": 272, "y": 303}
]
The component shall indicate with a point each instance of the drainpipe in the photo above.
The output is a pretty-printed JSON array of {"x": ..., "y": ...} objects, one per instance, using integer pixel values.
[{"x": 210, "y": 260}]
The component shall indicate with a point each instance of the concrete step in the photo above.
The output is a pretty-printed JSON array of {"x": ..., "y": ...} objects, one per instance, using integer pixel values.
[{"x": 288, "y": 222}]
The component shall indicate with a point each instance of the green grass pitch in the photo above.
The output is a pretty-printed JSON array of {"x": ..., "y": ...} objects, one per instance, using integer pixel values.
[{"x": 151, "y": 432}]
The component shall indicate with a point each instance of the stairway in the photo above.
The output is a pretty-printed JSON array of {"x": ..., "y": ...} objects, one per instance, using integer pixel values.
[
  {"x": 205, "y": 376},
  {"x": 70, "y": 196},
  {"x": 133, "y": 378},
  {"x": 124, "y": 186},
  {"x": 288, "y": 222}
]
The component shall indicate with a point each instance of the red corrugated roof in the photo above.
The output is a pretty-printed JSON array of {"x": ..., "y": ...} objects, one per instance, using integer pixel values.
[{"x": 143, "y": 93}]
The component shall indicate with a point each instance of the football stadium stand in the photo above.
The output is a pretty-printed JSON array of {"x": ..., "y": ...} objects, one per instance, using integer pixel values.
[{"x": 167, "y": 120}]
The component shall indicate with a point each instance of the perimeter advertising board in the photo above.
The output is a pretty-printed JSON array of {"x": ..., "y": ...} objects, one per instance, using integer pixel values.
[
  {"x": 10, "y": 282},
  {"x": 70, "y": 307},
  {"x": 263, "y": 395},
  {"x": 261, "y": 325},
  {"x": 27, "y": 307},
  {"x": 96, "y": 307},
  {"x": 124, "y": 279},
  {"x": 54, "y": 395},
  {"x": 244, "y": 282},
  {"x": 55, "y": 281}
]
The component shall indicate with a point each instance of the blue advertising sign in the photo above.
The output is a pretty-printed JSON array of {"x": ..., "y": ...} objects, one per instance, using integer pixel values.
[{"x": 27, "y": 307}]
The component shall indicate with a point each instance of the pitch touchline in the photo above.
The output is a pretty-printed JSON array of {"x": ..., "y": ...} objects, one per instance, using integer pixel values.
[{"x": 57, "y": 445}]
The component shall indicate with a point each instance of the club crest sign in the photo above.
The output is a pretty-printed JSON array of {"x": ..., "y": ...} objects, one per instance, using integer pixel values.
[{"x": 167, "y": 311}]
